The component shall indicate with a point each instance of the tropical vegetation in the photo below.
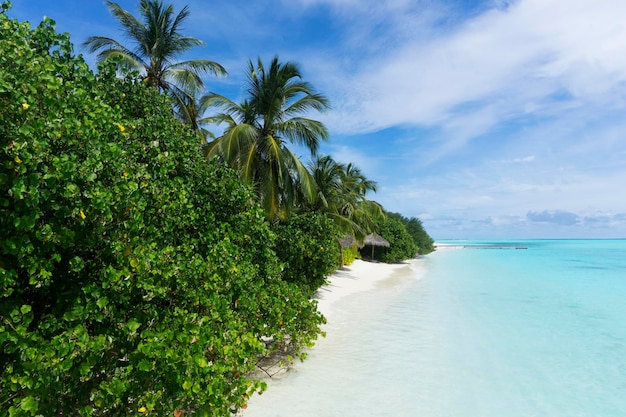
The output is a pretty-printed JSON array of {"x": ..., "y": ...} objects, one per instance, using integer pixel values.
[
  {"x": 134, "y": 275},
  {"x": 425, "y": 243},
  {"x": 307, "y": 244},
  {"x": 258, "y": 129},
  {"x": 401, "y": 243},
  {"x": 156, "y": 45},
  {"x": 341, "y": 195},
  {"x": 139, "y": 273}
]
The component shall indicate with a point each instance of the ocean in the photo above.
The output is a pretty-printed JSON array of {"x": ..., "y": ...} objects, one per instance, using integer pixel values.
[{"x": 526, "y": 328}]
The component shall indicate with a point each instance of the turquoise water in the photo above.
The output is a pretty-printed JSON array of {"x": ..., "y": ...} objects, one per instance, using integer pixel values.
[{"x": 482, "y": 333}]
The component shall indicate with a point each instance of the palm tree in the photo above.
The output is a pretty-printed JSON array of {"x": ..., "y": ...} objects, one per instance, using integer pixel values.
[
  {"x": 157, "y": 42},
  {"x": 341, "y": 194},
  {"x": 191, "y": 112},
  {"x": 259, "y": 128}
]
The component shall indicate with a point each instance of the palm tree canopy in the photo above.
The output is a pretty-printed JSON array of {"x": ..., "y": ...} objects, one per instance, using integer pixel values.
[
  {"x": 341, "y": 195},
  {"x": 156, "y": 44},
  {"x": 258, "y": 129}
]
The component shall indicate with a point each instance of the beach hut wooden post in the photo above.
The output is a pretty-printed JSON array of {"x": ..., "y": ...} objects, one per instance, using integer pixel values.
[{"x": 375, "y": 240}]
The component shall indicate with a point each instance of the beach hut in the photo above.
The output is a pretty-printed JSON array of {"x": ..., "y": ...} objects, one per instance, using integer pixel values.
[{"x": 375, "y": 240}]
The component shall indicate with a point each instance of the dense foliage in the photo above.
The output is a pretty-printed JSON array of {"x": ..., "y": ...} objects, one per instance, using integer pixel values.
[
  {"x": 309, "y": 247},
  {"x": 401, "y": 243},
  {"x": 341, "y": 192},
  {"x": 157, "y": 42},
  {"x": 135, "y": 277},
  {"x": 259, "y": 129},
  {"x": 350, "y": 254},
  {"x": 422, "y": 239}
]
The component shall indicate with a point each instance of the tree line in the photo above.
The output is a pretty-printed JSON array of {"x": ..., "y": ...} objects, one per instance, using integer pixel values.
[
  {"x": 139, "y": 272},
  {"x": 257, "y": 130}
]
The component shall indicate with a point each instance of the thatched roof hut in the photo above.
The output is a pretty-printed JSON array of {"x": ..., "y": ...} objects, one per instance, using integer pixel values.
[{"x": 375, "y": 240}]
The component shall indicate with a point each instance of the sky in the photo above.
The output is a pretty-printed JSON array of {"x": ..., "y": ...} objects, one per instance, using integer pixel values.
[{"x": 486, "y": 119}]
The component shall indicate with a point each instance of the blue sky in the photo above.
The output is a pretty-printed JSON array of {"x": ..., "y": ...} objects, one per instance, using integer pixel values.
[{"x": 485, "y": 119}]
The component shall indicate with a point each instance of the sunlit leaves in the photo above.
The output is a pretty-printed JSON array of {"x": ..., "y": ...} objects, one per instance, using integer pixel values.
[
  {"x": 255, "y": 141},
  {"x": 308, "y": 245},
  {"x": 134, "y": 275}
]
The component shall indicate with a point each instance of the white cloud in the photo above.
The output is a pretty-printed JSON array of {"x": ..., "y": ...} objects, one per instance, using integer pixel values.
[
  {"x": 529, "y": 158},
  {"x": 515, "y": 56},
  {"x": 482, "y": 116}
]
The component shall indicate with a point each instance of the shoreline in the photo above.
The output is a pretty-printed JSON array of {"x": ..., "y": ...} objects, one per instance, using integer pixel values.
[{"x": 361, "y": 276}]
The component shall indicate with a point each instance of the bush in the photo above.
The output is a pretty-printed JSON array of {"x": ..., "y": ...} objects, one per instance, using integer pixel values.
[
  {"x": 308, "y": 245},
  {"x": 401, "y": 243},
  {"x": 350, "y": 254},
  {"x": 134, "y": 276},
  {"x": 414, "y": 226}
]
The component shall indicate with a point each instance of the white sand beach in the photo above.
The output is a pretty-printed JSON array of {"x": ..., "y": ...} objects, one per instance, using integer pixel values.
[
  {"x": 359, "y": 276},
  {"x": 333, "y": 298}
]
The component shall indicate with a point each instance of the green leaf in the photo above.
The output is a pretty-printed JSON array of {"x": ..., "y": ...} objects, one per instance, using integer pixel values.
[
  {"x": 133, "y": 325},
  {"x": 201, "y": 361},
  {"x": 145, "y": 365},
  {"x": 76, "y": 264},
  {"x": 102, "y": 302},
  {"x": 30, "y": 404},
  {"x": 25, "y": 309},
  {"x": 84, "y": 368}
]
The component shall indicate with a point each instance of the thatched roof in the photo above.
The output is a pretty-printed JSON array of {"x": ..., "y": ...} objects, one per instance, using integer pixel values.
[
  {"x": 370, "y": 240},
  {"x": 375, "y": 240}
]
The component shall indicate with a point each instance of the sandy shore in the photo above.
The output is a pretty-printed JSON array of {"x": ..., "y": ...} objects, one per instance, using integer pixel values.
[{"x": 359, "y": 276}]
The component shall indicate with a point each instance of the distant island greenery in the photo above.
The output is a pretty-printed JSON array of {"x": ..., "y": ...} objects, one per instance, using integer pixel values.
[{"x": 147, "y": 265}]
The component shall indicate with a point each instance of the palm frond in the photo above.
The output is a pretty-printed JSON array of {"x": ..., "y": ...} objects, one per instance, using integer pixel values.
[
  {"x": 185, "y": 79},
  {"x": 223, "y": 103},
  {"x": 303, "y": 131},
  {"x": 130, "y": 25},
  {"x": 248, "y": 166},
  {"x": 307, "y": 103},
  {"x": 306, "y": 182},
  {"x": 201, "y": 66}
]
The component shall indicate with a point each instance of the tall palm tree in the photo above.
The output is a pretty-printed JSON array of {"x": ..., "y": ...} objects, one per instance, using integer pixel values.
[
  {"x": 341, "y": 195},
  {"x": 191, "y": 112},
  {"x": 156, "y": 44},
  {"x": 259, "y": 128}
]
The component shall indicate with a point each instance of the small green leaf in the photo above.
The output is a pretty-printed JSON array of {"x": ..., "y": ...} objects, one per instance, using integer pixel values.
[
  {"x": 145, "y": 365},
  {"x": 29, "y": 404},
  {"x": 133, "y": 325},
  {"x": 102, "y": 302},
  {"x": 84, "y": 368},
  {"x": 25, "y": 309},
  {"x": 76, "y": 264},
  {"x": 201, "y": 361}
]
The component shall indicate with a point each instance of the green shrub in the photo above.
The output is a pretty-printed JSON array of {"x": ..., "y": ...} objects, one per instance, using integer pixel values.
[
  {"x": 350, "y": 254},
  {"x": 308, "y": 245},
  {"x": 134, "y": 276},
  {"x": 414, "y": 226},
  {"x": 401, "y": 243}
]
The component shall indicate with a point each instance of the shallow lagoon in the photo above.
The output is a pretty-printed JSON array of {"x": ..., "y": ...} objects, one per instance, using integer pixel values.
[{"x": 482, "y": 333}]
